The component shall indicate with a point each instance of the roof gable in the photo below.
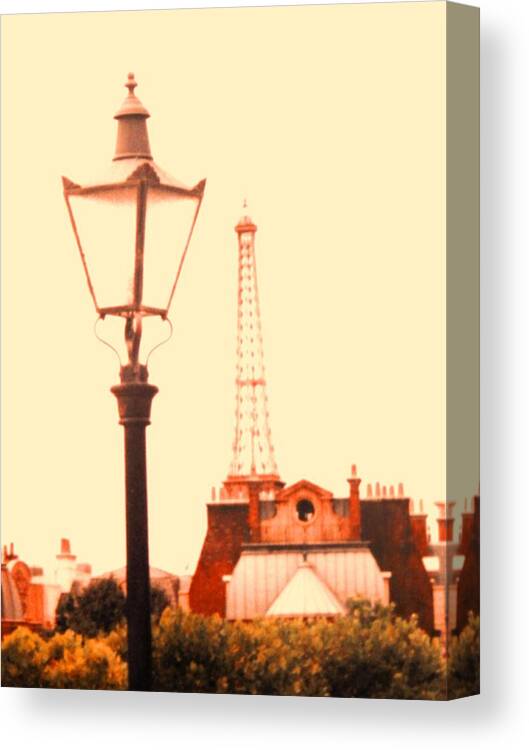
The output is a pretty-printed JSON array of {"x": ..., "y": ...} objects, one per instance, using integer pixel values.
[
  {"x": 303, "y": 484},
  {"x": 305, "y": 595}
]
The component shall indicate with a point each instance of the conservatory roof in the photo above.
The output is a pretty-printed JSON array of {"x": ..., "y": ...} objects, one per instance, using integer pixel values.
[{"x": 305, "y": 595}]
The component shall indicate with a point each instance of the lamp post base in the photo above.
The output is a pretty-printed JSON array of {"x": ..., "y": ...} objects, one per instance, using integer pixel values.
[{"x": 134, "y": 406}]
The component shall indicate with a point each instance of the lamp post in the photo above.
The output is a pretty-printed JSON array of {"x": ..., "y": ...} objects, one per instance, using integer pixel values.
[{"x": 132, "y": 229}]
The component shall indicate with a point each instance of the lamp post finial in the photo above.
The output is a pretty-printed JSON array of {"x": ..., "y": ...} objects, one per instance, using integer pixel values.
[{"x": 131, "y": 83}]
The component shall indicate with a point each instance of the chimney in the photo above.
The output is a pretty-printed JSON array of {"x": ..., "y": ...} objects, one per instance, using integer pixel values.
[
  {"x": 369, "y": 492},
  {"x": 445, "y": 521},
  {"x": 66, "y": 552},
  {"x": 419, "y": 530},
  {"x": 9, "y": 555},
  {"x": 65, "y": 568},
  {"x": 354, "y": 505}
]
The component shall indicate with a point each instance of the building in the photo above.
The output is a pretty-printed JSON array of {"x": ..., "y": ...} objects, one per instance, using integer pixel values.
[
  {"x": 174, "y": 587},
  {"x": 296, "y": 550},
  {"x": 28, "y": 597}
]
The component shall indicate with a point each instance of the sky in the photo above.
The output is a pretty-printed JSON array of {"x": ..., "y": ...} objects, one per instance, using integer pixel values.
[{"x": 330, "y": 122}]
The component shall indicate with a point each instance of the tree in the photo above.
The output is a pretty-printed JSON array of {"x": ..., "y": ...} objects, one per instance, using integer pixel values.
[
  {"x": 100, "y": 607},
  {"x": 159, "y": 602}
]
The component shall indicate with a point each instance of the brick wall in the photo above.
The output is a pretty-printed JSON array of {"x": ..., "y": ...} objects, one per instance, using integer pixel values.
[
  {"x": 227, "y": 530},
  {"x": 386, "y": 525}
]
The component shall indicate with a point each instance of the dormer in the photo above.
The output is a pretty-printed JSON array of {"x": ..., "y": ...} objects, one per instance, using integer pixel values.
[{"x": 303, "y": 513}]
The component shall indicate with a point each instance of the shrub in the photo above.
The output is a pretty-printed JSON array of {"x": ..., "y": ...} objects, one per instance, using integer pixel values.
[
  {"x": 463, "y": 661},
  {"x": 24, "y": 655},
  {"x": 369, "y": 653},
  {"x": 67, "y": 660},
  {"x": 86, "y": 664},
  {"x": 375, "y": 654}
]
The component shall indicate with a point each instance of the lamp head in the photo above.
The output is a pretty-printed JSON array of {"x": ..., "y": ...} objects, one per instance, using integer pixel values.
[{"x": 133, "y": 225}]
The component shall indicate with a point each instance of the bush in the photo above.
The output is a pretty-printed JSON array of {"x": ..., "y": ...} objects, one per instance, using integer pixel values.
[
  {"x": 463, "y": 661},
  {"x": 374, "y": 654},
  {"x": 67, "y": 660},
  {"x": 86, "y": 664},
  {"x": 368, "y": 653},
  {"x": 24, "y": 655}
]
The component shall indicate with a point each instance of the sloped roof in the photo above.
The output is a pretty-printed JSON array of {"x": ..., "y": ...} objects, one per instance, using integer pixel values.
[
  {"x": 305, "y": 595},
  {"x": 261, "y": 574},
  {"x": 120, "y": 574}
]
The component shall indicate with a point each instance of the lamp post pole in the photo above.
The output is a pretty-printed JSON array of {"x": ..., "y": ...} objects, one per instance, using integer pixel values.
[
  {"x": 129, "y": 276},
  {"x": 134, "y": 405}
]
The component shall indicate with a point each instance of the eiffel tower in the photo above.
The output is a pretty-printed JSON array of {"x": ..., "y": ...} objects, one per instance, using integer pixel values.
[{"x": 253, "y": 470}]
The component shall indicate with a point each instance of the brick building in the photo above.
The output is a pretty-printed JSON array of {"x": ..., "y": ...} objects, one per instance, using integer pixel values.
[
  {"x": 261, "y": 532},
  {"x": 299, "y": 550}
]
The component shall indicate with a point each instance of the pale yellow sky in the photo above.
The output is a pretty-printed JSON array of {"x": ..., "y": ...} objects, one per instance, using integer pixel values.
[{"x": 330, "y": 120}]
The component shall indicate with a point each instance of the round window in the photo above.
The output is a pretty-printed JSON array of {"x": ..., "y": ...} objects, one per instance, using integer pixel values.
[{"x": 305, "y": 510}]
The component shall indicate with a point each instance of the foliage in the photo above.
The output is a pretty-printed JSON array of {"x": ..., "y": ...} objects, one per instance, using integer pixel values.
[
  {"x": 370, "y": 652},
  {"x": 463, "y": 661},
  {"x": 100, "y": 608},
  {"x": 159, "y": 601},
  {"x": 207, "y": 654},
  {"x": 375, "y": 654},
  {"x": 24, "y": 656},
  {"x": 67, "y": 660}
]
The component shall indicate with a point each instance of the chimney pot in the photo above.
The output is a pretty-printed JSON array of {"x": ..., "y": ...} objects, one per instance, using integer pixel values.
[{"x": 65, "y": 547}]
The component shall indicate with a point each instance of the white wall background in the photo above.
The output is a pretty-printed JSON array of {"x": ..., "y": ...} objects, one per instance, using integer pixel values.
[{"x": 49, "y": 719}]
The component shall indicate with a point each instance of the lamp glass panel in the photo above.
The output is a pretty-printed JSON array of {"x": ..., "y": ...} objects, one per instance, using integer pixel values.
[
  {"x": 168, "y": 222},
  {"x": 106, "y": 226}
]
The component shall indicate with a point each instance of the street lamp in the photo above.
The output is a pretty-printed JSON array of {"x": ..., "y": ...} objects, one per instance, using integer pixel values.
[{"x": 132, "y": 229}]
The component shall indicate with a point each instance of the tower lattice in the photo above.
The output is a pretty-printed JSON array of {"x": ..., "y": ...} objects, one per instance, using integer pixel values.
[{"x": 253, "y": 452}]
